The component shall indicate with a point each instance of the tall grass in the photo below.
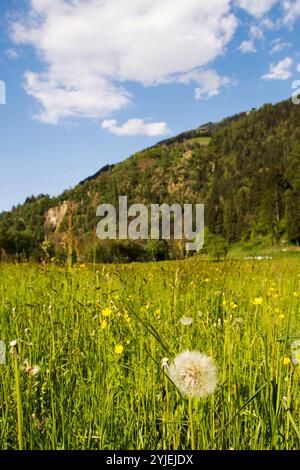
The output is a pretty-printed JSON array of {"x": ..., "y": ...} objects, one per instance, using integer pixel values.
[{"x": 91, "y": 394}]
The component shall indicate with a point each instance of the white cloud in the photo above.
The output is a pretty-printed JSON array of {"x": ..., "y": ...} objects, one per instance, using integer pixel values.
[
  {"x": 256, "y": 8},
  {"x": 298, "y": 68},
  {"x": 271, "y": 25},
  {"x": 291, "y": 10},
  {"x": 88, "y": 98},
  {"x": 278, "y": 45},
  {"x": 280, "y": 71},
  {"x": 247, "y": 47},
  {"x": 208, "y": 81},
  {"x": 91, "y": 48},
  {"x": 11, "y": 53},
  {"x": 134, "y": 127},
  {"x": 256, "y": 32}
]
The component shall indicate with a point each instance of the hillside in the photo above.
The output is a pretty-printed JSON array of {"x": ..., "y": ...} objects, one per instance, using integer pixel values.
[{"x": 245, "y": 169}]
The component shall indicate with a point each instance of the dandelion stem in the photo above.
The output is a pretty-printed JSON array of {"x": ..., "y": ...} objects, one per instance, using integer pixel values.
[
  {"x": 192, "y": 428},
  {"x": 19, "y": 402}
]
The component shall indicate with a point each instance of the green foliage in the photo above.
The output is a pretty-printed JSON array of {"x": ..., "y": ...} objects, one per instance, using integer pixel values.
[
  {"x": 245, "y": 169},
  {"x": 99, "y": 335},
  {"x": 157, "y": 250},
  {"x": 216, "y": 246}
]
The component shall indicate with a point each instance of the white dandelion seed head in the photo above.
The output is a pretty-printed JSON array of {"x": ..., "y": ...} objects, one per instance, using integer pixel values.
[
  {"x": 296, "y": 358},
  {"x": 13, "y": 343},
  {"x": 30, "y": 370},
  {"x": 186, "y": 321},
  {"x": 165, "y": 363},
  {"x": 194, "y": 374},
  {"x": 295, "y": 345},
  {"x": 34, "y": 370}
]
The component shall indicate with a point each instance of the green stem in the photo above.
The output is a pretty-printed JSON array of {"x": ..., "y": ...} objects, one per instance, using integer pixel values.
[
  {"x": 19, "y": 402},
  {"x": 166, "y": 414},
  {"x": 192, "y": 428}
]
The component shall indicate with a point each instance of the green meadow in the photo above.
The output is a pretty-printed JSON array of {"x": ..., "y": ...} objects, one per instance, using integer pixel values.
[{"x": 84, "y": 368}]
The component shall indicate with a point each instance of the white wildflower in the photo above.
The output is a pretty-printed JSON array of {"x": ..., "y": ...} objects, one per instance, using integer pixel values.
[
  {"x": 186, "y": 321},
  {"x": 296, "y": 358},
  {"x": 295, "y": 345},
  {"x": 34, "y": 370},
  {"x": 194, "y": 374},
  {"x": 31, "y": 370}
]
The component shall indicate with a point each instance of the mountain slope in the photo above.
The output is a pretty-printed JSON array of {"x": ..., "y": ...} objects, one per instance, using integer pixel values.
[{"x": 245, "y": 169}]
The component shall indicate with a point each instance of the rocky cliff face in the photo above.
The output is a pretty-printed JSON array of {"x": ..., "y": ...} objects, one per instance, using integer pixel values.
[{"x": 55, "y": 216}]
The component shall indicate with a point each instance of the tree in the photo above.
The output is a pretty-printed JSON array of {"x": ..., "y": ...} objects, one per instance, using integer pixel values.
[{"x": 215, "y": 245}]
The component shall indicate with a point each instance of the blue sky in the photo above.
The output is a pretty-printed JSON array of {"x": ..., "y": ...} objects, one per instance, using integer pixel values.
[{"x": 89, "y": 82}]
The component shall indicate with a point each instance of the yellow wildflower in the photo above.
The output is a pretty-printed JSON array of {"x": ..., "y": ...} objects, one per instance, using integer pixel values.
[
  {"x": 281, "y": 316},
  {"x": 286, "y": 361},
  {"x": 119, "y": 349},
  {"x": 127, "y": 317},
  {"x": 106, "y": 312},
  {"x": 104, "y": 324},
  {"x": 257, "y": 301}
]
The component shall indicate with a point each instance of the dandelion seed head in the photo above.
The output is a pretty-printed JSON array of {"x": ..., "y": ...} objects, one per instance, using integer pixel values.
[
  {"x": 295, "y": 345},
  {"x": 31, "y": 370},
  {"x": 13, "y": 343},
  {"x": 194, "y": 374},
  {"x": 186, "y": 321},
  {"x": 34, "y": 370},
  {"x": 296, "y": 358},
  {"x": 165, "y": 363}
]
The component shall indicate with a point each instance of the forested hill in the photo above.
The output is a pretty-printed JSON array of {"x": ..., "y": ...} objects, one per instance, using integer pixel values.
[{"x": 245, "y": 169}]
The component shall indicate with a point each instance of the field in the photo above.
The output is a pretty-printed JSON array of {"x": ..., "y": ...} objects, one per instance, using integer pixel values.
[{"x": 86, "y": 370}]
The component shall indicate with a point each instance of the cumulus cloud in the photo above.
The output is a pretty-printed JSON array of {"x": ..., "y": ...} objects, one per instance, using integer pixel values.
[
  {"x": 298, "y": 68},
  {"x": 256, "y": 32},
  {"x": 134, "y": 127},
  {"x": 291, "y": 10},
  {"x": 257, "y": 8},
  {"x": 280, "y": 71},
  {"x": 91, "y": 49},
  {"x": 11, "y": 53},
  {"x": 278, "y": 45},
  {"x": 247, "y": 47},
  {"x": 209, "y": 82}
]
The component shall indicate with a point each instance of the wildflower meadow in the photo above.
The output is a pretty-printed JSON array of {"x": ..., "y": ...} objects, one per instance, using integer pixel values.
[{"x": 175, "y": 355}]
